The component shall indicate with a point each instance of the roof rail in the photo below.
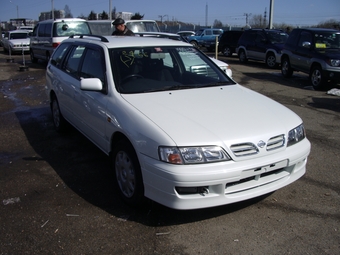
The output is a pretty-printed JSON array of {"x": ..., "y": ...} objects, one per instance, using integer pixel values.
[{"x": 81, "y": 36}]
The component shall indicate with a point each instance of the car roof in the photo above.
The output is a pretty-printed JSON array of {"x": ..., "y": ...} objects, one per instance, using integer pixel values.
[
  {"x": 19, "y": 31},
  {"x": 315, "y": 29},
  {"x": 126, "y": 41},
  {"x": 60, "y": 20}
]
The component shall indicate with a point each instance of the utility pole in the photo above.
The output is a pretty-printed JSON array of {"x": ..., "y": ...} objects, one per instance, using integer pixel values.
[
  {"x": 247, "y": 16},
  {"x": 271, "y": 14},
  {"x": 52, "y": 9},
  {"x": 17, "y": 9}
]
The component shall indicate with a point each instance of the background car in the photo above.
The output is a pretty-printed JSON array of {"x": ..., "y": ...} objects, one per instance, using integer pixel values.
[
  {"x": 313, "y": 51},
  {"x": 186, "y": 34},
  {"x": 205, "y": 37},
  {"x": 177, "y": 129},
  {"x": 16, "y": 41},
  {"x": 227, "y": 42},
  {"x": 263, "y": 45}
]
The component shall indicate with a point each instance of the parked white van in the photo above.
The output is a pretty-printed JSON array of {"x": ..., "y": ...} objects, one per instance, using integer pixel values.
[
  {"x": 105, "y": 27},
  {"x": 48, "y": 34}
]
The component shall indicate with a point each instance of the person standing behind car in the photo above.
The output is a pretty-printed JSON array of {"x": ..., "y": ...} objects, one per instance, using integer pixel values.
[{"x": 121, "y": 29}]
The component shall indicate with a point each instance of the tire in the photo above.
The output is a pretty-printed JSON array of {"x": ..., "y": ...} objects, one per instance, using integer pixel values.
[
  {"x": 33, "y": 59},
  {"x": 127, "y": 173},
  {"x": 316, "y": 77},
  {"x": 271, "y": 60},
  {"x": 227, "y": 51},
  {"x": 286, "y": 69},
  {"x": 194, "y": 43},
  {"x": 59, "y": 122},
  {"x": 242, "y": 56},
  {"x": 48, "y": 57}
]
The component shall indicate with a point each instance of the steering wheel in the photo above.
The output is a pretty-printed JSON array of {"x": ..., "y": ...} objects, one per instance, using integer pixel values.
[{"x": 134, "y": 75}]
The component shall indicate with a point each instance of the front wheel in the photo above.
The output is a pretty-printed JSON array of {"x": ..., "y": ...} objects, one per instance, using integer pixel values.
[
  {"x": 286, "y": 69},
  {"x": 316, "y": 77},
  {"x": 128, "y": 175}
]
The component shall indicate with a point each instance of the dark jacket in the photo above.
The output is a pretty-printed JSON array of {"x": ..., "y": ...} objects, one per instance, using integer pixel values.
[{"x": 126, "y": 32}]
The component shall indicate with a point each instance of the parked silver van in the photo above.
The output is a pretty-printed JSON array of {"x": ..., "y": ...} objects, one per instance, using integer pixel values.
[{"x": 48, "y": 34}]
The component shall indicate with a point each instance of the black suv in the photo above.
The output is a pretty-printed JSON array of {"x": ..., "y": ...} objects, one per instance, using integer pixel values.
[
  {"x": 228, "y": 42},
  {"x": 314, "y": 51},
  {"x": 262, "y": 44}
]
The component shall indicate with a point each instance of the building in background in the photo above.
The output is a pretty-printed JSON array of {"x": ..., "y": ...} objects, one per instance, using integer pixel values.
[{"x": 58, "y": 14}]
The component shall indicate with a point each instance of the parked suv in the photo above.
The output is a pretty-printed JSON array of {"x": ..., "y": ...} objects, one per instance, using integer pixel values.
[
  {"x": 177, "y": 129},
  {"x": 205, "y": 37},
  {"x": 261, "y": 44},
  {"x": 48, "y": 34},
  {"x": 313, "y": 51},
  {"x": 228, "y": 42}
]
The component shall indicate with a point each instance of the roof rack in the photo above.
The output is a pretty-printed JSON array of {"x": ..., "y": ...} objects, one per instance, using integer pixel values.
[{"x": 81, "y": 36}]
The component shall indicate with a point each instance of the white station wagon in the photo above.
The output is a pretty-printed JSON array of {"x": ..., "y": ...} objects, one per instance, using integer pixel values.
[{"x": 178, "y": 130}]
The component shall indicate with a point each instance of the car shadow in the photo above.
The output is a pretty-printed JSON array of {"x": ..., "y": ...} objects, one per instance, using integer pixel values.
[{"x": 85, "y": 170}]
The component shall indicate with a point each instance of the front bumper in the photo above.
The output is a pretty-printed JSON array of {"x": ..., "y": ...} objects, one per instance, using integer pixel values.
[{"x": 222, "y": 183}]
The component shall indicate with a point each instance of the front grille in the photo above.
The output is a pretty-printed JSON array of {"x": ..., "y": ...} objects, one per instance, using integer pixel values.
[
  {"x": 244, "y": 149},
  {"x": 275, "y": 142}
]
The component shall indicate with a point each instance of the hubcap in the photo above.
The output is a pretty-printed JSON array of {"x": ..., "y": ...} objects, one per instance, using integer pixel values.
[{"x": 125, "y": 174}]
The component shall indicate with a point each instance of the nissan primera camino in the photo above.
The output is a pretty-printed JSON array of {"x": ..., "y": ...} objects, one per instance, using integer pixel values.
[{"x": 177, "y": 129}]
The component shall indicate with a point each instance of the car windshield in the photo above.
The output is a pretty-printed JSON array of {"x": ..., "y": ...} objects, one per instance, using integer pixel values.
[
  {"x": 18, "y": 36},
  {"x": 277, "y": 37},
  {"x": 153, "y": 69},
  {"x": 327, "y": 40},
  {"x": 68, "y": 28}
]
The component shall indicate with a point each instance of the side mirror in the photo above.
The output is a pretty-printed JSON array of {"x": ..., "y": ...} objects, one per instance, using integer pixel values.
[{"x": 306, "y": 45}]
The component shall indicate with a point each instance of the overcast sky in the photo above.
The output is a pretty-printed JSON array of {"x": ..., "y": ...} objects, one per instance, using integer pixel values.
[{"x": 199, "y": 12}]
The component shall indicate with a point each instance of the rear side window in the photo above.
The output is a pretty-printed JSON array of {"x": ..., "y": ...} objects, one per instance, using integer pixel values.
[
  {"x": 305, "y": 37},
  {"x": 68, "y": 28}
]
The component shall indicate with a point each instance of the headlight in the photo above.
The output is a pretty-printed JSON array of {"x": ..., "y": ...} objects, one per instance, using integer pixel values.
[
  {"x": 296, "y": 135},
  {"x": 334, "y": 62},
  {"x": 192, "y": 155}
]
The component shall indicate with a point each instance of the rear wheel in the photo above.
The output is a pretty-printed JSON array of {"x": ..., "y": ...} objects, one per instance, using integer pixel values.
[
  {"x": 33, "y": 59},
  {"x": 227, "y": 51},
  {"x": 316, "y": 77},
  {"x": 286, "y": 69},
  {"x": 58, "y": 119},
  {"x": 242, "y": 56},
  {"x": 271, "y": 60},
  {"x": 128, "y": 174},
  {"x": 194, "y": 43}
]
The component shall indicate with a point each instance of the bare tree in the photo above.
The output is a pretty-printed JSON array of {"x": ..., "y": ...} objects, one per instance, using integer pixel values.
[
  {"x": 257, "y": 21},
  {"x": 217, "y": 23}
]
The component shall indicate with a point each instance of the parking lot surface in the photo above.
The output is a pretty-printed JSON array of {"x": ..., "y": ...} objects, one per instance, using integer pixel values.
[{"x": 57, "y": 194}]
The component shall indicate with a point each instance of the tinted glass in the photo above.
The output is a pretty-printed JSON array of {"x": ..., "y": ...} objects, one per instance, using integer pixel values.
[{"x": 152, "y": 69}]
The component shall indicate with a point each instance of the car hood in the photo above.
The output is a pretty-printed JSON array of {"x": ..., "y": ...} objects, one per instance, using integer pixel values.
[
  {"x": 230, "y": 114},
  {"x": 330, "y": 53},
  {"x": 20, "y": 41}
]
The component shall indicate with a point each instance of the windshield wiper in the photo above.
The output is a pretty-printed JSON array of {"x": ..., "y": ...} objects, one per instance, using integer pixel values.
[{"x": 172, "y": 87}]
